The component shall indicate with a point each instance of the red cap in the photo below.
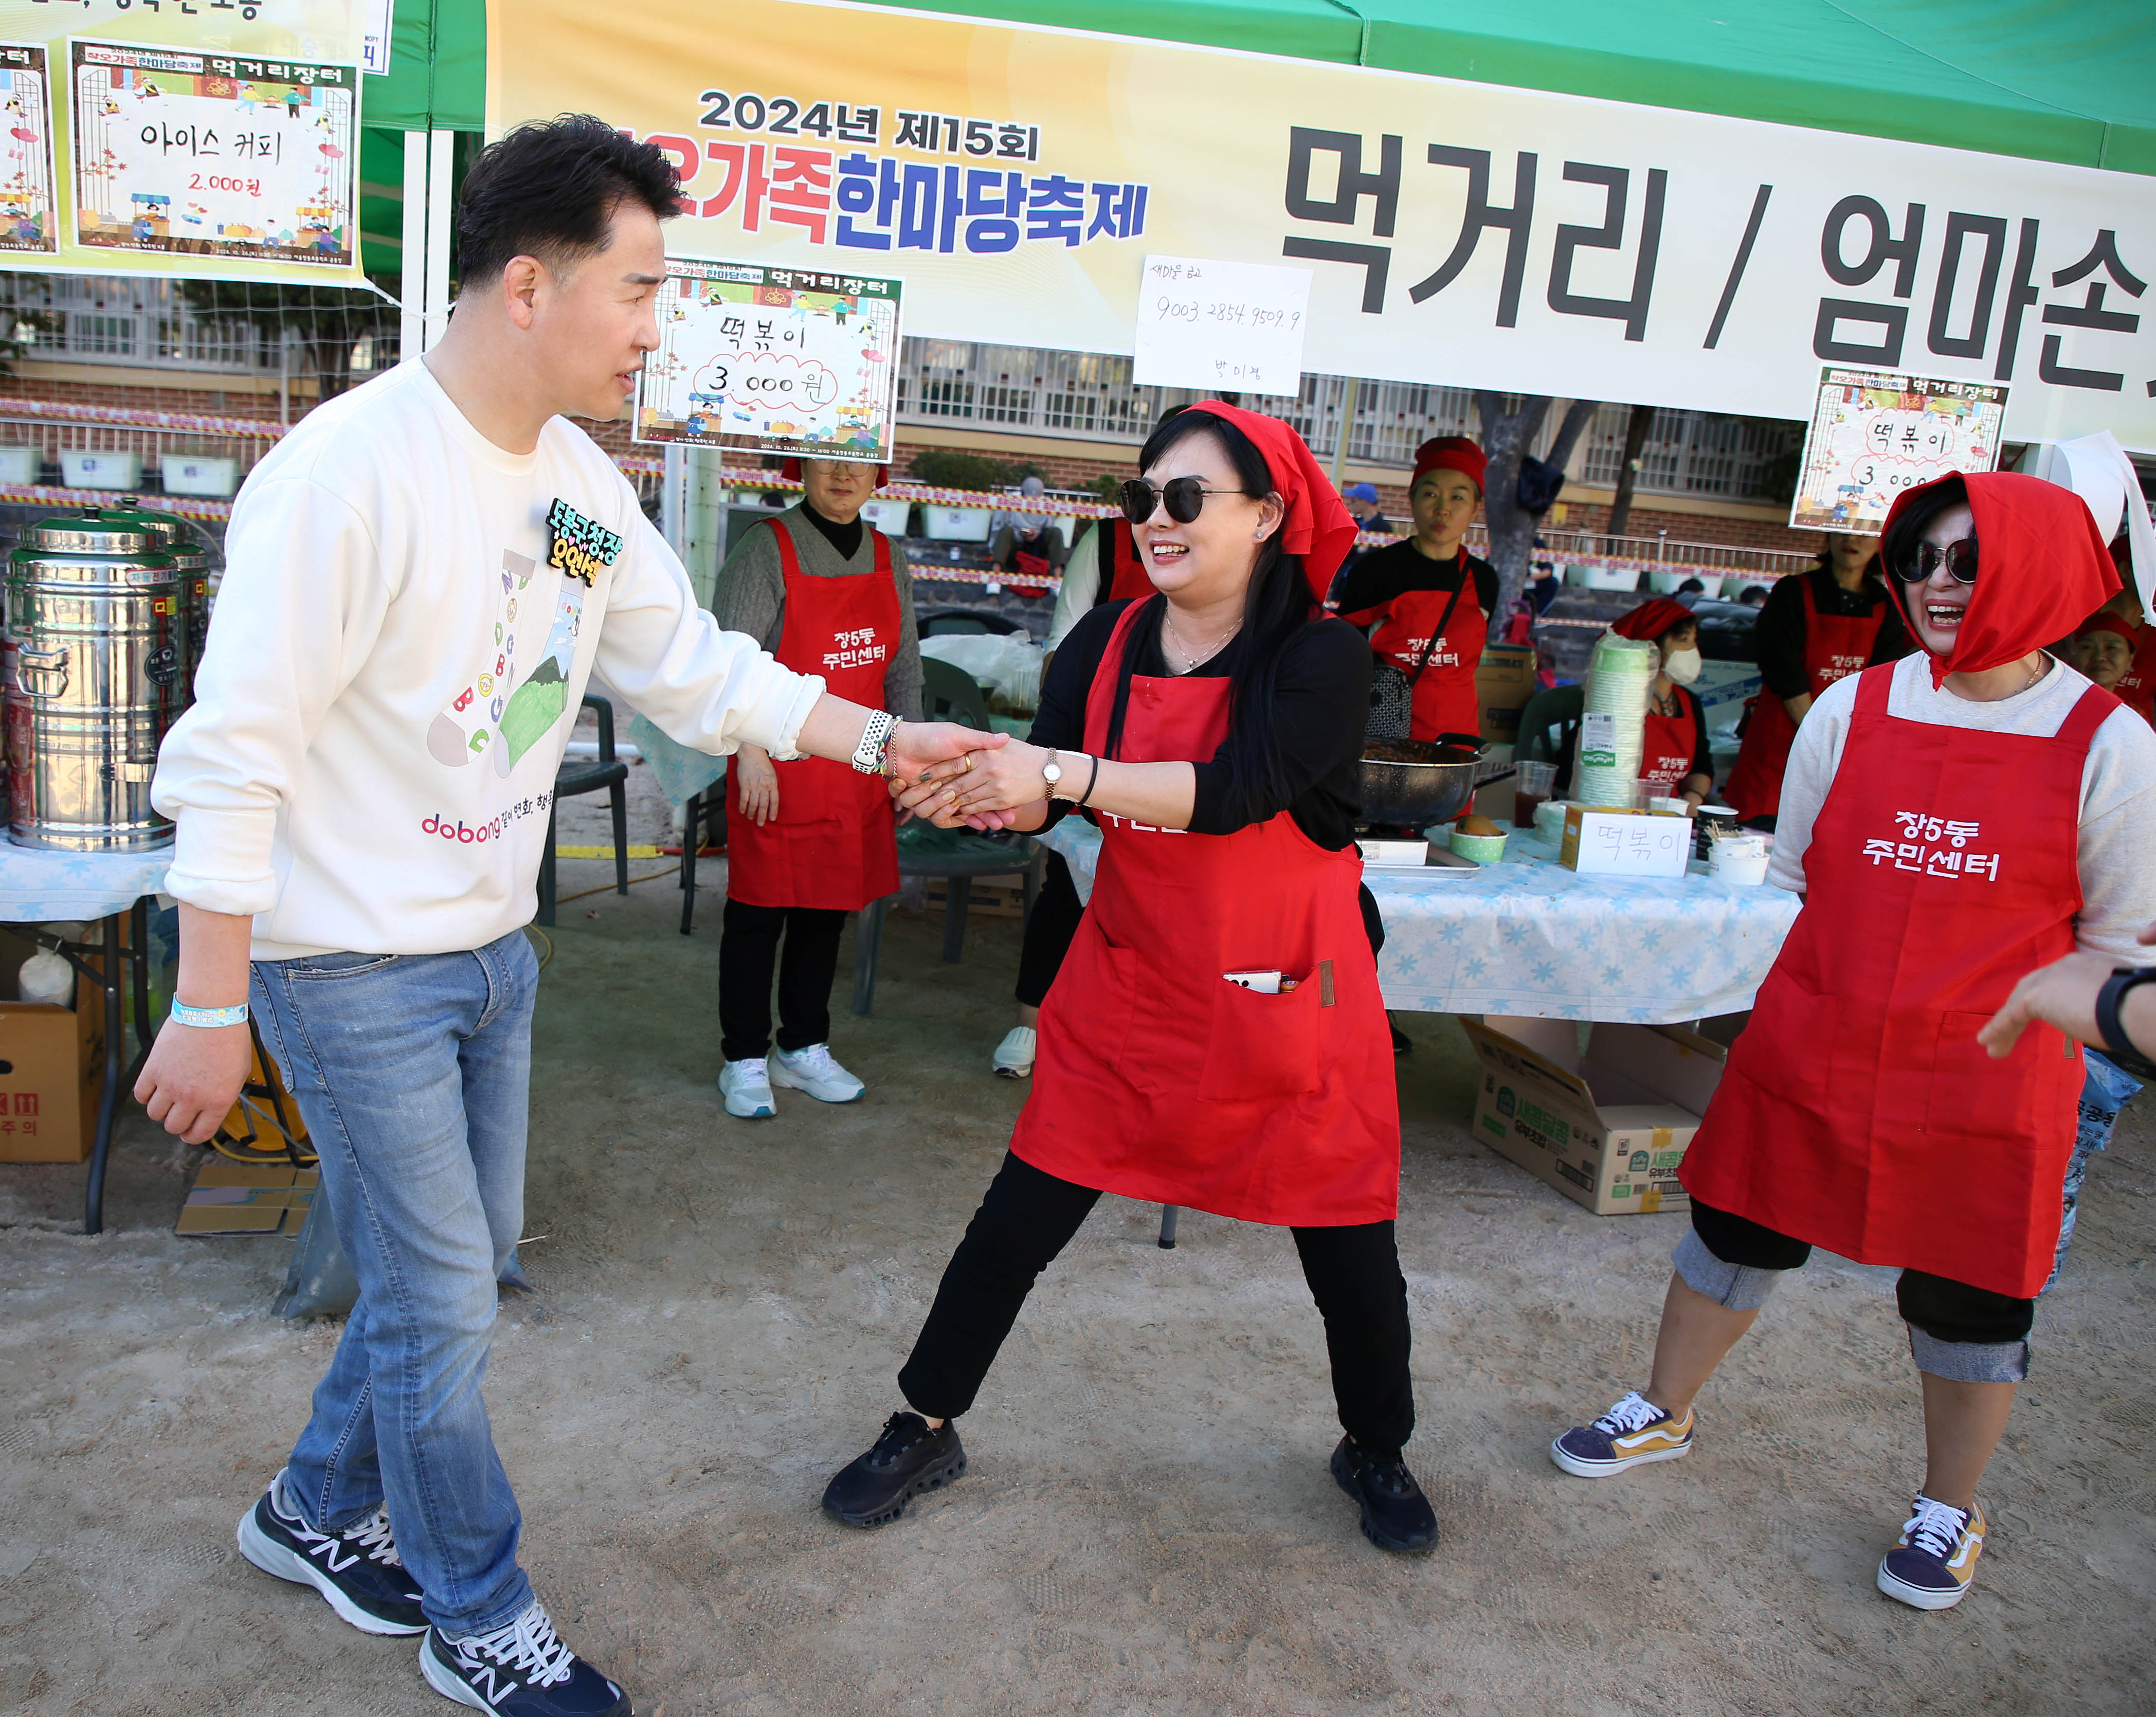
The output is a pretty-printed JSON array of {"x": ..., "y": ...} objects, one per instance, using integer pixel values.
[
  {"x": 2107, "y": 621},
  {"x": 1451, "y": 453},
  {"x": 2041, "y": 566},
  {"x": 791, "y": 471},
  {"x": 1651, "y": 618},
  {"x": 1319, "y": 526}
]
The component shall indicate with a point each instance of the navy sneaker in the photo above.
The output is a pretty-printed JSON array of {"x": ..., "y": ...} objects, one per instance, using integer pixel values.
[
  {"x": 1934, "y": 1563},
  {"x": 357, "y": 1571},
  {"x": 1396, "y": 1515},
  {"x": 519, "y": 1670},
  {"x": 907, "y": 1459},
  {"x": 1630, "y": 1434}
]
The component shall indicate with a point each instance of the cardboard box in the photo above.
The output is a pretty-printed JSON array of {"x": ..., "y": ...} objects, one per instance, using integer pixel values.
[
  {"x": 247, "y": 1198},
  {"x": 1504, "y": 682},
  {"x": 52, "y": 1068},
  {"x": 1608, "y": 1127},
  {"x": 1612, "y": 842}
]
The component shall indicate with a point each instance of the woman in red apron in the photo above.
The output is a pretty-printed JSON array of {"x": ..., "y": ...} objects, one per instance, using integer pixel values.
[
  {"x": 1675, "y": 759},
  {"x": 1427, "y": 597},
  {"x": 1952, "y": 820},
  {"x": 1814, "y": 628},
  {"x": 1216, "y": 1038},
  {"x": 808, "y": 840}
]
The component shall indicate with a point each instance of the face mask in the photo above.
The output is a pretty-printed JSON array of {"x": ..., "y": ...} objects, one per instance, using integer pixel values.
[{"x": 1682, "y": 665}]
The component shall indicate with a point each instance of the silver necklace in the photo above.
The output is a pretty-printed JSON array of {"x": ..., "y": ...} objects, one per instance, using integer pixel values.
[{"x": 1189, "y": 661}]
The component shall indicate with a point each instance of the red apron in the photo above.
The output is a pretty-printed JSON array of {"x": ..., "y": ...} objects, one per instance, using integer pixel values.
[
  {"x": 1858, "y": 1111},
  {"x": 1130, "y": 580},
  {"x": 2138, "y": 689},
  {"x": 1444, "y": 698},
  {"x": 833, "y": 843},
  {"x": 1157, "y": 1078},
  {"x": 1667, "y": 752},
  {"x": 1835, "y": 646}
]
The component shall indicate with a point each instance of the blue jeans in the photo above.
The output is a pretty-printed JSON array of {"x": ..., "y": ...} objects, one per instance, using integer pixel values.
[
  {"x": 413, "y": 1074},
  {"x": 2106, "y": 1089}
]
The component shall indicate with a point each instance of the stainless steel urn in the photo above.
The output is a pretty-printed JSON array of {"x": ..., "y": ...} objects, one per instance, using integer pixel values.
[
  {"x": 95, "y": 648},
  {"x": 177, "y": 540}
]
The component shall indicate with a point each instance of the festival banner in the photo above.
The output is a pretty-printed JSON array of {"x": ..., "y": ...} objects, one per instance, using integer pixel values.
[
  {"x": 771, "y": 361},
  {"x": 29, "y": 221},
  {"x": 208, "y": 141},
  {"x": 1874, "y": 434},
  {"x": 1017, "y": 177}
]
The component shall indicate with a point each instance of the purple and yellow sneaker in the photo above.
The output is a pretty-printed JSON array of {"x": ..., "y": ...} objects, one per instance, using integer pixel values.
[
  {"x": 1630, "y": 1434},
  {"x": 1934, "y": 1565}
]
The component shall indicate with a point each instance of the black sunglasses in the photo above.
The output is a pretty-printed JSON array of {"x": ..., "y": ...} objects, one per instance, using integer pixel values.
[
  {"x": 1959, "y": 558},
  {"x": 1185, "y": 497}
]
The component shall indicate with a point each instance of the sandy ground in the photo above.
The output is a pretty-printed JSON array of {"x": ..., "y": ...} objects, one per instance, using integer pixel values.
[{"x": 1149, "y": 1525}]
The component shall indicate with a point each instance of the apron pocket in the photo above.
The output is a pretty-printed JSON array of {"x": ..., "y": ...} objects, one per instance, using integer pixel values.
[
  {"x": 1973, "y": 1097},
  {"x": 1265, "y": 1046}
]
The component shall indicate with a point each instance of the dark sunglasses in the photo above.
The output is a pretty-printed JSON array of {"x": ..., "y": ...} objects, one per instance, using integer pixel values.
[
  {"x": 1185, "y": 497},
  {"x": 1959, "y": 558}
]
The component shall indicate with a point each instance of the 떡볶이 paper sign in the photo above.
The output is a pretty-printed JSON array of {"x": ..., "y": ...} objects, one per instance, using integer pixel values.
[
  {"x": 773, "y": 360},
  {"x": 1236, "y": 326},
  {"x": 1876, "y": 433},
  {"x": 29, "y": 222},
  {"x": 1615, "y": 843},
  {"x": 186, "y": 155}
]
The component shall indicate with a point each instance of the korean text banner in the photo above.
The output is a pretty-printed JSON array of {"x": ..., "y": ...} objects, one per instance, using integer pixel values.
[
  {"x": 1460, "y": 234},
  {"x": 208, "y": 140}
]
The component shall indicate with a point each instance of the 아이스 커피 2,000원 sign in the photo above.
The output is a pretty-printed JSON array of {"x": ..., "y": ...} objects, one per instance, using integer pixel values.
[
  {"x": 203, "y": 155},
  {"x": 776, "y": 360}
]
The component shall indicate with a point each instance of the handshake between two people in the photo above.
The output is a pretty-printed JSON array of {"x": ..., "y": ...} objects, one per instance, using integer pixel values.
[{"x": 997, "y": 782}]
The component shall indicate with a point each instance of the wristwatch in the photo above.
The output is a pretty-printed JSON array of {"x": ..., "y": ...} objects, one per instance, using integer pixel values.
[
  {"x": 2117, "y": 1047},
  {"x": 1051, "y": 772}
]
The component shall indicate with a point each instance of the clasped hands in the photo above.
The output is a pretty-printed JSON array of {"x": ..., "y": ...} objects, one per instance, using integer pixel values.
[{"x": 985, "y": 787}]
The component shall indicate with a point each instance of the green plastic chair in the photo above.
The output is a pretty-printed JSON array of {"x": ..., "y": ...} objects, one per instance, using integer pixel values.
[
  {"x": 948, "y": 693},
  {"x": 1559, "y": 708}
]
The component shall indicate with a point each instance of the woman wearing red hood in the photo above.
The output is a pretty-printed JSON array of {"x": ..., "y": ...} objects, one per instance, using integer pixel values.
[
  {"x": 1952, "y": 820},
  {"x": 1675, "y": 758},
  {"x": 1215, "y": 731}
]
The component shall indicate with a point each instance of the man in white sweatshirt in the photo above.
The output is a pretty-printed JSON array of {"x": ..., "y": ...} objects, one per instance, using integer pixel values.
[{"x": 420, "y": 580}]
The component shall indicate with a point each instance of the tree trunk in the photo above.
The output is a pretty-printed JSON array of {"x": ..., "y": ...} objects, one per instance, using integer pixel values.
[
  {"x": 1506, "y": 439},
  {"x": 1628, "y": 470}
]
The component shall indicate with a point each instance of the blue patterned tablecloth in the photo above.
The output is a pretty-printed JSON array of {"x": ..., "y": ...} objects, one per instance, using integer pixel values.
[
  {"x": 36, "y": 887},
  {"x": 1528, "y": 937}
]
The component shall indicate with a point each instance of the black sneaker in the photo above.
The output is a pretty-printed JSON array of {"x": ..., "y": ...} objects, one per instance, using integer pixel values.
[
  {"x": 519, "y": 1670},
  {"x": 358, "y": 1571},
  {"x": 907, "y": 1459},
  {"x": 1396, "y": 1515}
]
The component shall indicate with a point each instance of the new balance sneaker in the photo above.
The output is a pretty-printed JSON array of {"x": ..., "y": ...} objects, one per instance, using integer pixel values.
[
  {"x": 1014, "y": 1055},
  {"x": 1934, "y": 1563},
  {"x": 746, "y": 1089},
  {"x": 1396, "y": 1515},
  {"x": 522, "y": 1670},
  {"x": 907, "y": 1459},
  {"x": 358, "y": 1571},
  {"x": 813, "y": 1069},
  {"x": 1630, "y": 1434}
]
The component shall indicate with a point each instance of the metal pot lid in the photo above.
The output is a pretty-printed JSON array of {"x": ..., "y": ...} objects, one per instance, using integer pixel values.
[{"x": 93, "y": 529}]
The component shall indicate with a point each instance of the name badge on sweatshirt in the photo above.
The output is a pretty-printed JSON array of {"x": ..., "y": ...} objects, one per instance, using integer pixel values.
[{"x": 580, "y": 547}]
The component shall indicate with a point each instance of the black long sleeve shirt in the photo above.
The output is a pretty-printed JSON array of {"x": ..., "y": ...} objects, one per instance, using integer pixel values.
[
  {"x": 1321, "y": 707},
  {"x": 1779, "y": 636},
  {"x": 1383, "y": 573}
]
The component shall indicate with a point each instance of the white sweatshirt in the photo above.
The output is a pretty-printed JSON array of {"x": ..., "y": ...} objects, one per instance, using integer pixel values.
[
  {"x": 2117, "y": 839},
  {"x": 395, "y": 665}
]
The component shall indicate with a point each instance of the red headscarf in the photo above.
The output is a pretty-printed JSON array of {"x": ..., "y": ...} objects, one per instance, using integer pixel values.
[
  {"x": 1451, "y": 453},
  {"x": 2041, "y": 568},
  {"x": 1319, "y": 526},
  {"x": 791, "y": 471},
  {"x": 1653, "y": 617}
]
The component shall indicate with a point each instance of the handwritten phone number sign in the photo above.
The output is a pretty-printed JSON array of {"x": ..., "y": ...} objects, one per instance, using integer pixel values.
[
  {"x": 775, "y": 360},
  {"x": 206, "y": 155},
  {"x": 1876, "y": 433},
  {"x": 1237, "y": 326}
]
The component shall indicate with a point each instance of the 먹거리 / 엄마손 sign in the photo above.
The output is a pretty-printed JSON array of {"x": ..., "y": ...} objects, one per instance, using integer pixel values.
[
  {"x": 1232, "y": 326},
  {"x": 773, "y": 360},
  {"x": 1876, "y": 433}
]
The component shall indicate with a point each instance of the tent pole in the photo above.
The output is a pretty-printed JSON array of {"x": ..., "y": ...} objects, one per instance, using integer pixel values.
[
  {"x": 441, "y": 155},
  {"x": 412, "y": 288}
]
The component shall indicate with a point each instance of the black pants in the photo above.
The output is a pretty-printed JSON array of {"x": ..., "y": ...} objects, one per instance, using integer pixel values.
[
  {"x": 1945, "y": 1310},
  {"x": 1056, "y": 911},
  {"x": 748, "y": 953},
  {"x": 1029, "y": 1216}
]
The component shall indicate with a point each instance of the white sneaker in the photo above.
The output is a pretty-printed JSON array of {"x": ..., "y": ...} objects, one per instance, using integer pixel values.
[
  {"x": 813, "y": 1069},
  {"x": 1014, "y": 1056},
  {"x": 746, "y": 1086}
]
